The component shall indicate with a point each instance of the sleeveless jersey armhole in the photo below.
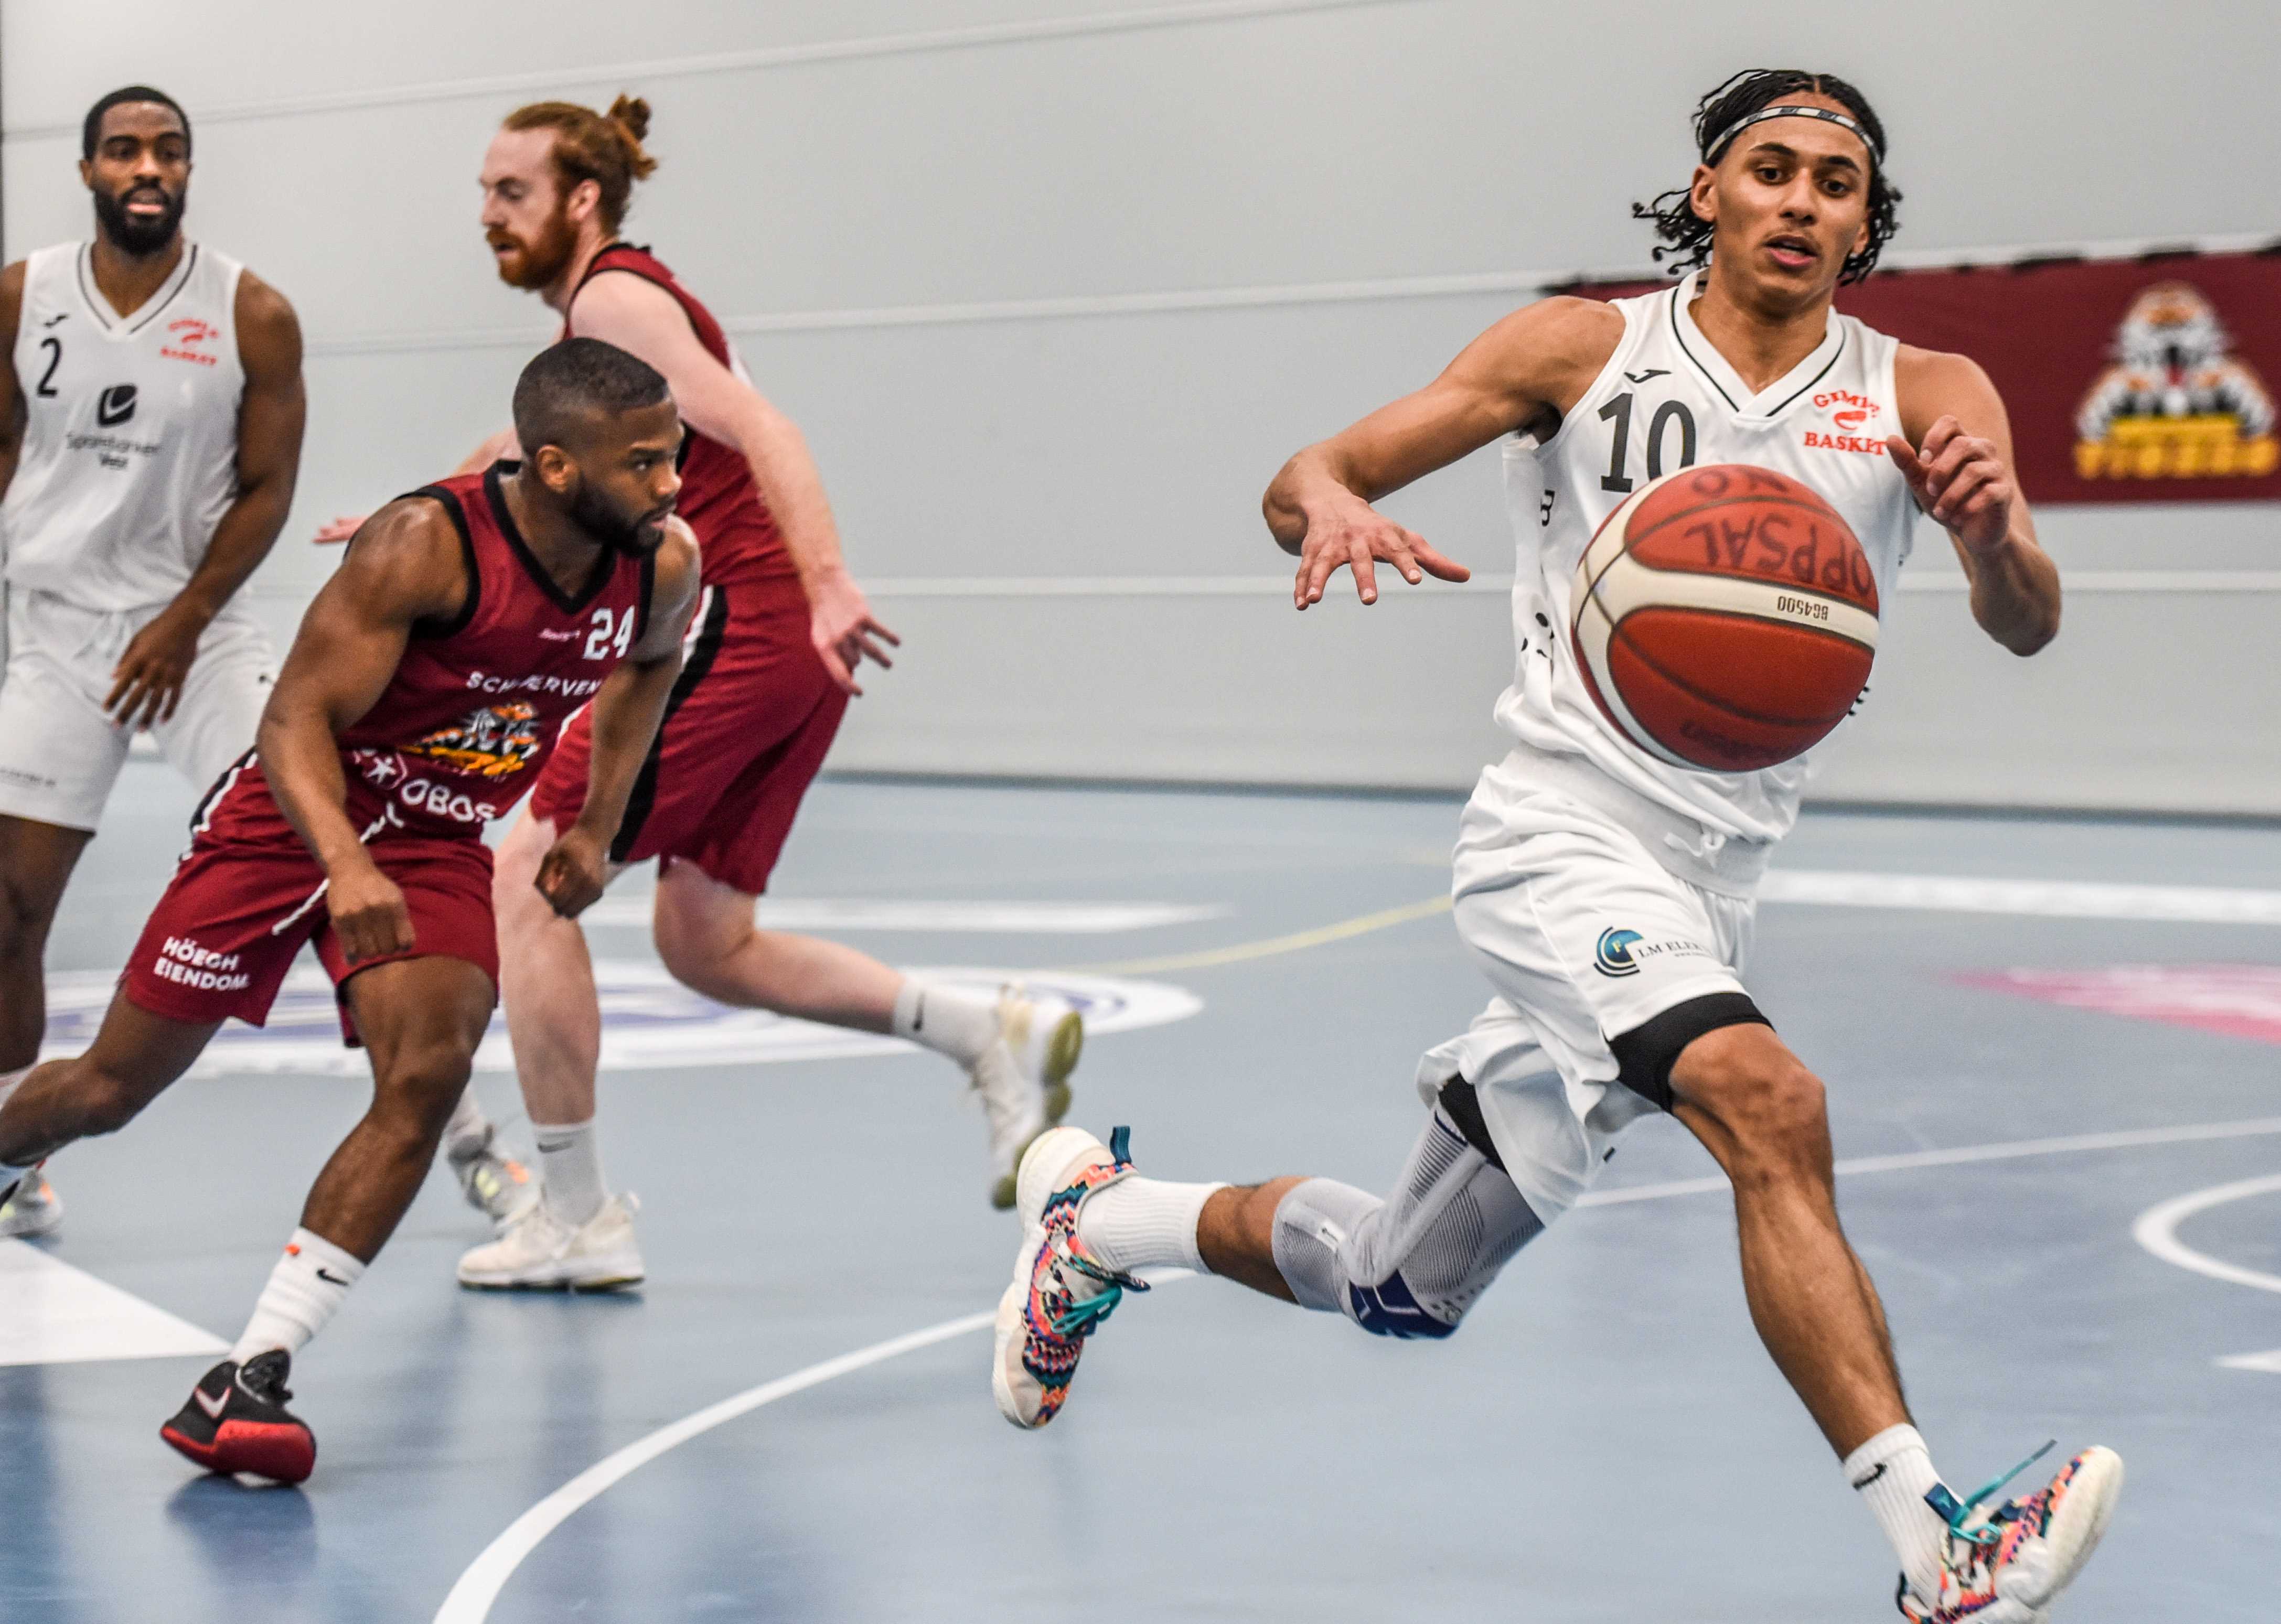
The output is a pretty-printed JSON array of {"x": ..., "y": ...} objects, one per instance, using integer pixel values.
[
  {"x": 432, "y": 628},
  {"x": 1632, "y": 318},
  {"x": 641, "y": 606}
]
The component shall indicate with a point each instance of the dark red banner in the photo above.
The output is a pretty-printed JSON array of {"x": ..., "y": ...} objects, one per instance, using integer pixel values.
[{"x": 2144, "y": 379}]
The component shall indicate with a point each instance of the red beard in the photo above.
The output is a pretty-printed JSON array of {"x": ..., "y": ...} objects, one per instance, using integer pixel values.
[{"x": 539, "y": 264}]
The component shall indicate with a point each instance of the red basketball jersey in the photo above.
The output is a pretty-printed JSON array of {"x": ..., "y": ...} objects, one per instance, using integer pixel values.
[
  {"x": 472, "y": 713},
  {"x": 718, "y": 498}
]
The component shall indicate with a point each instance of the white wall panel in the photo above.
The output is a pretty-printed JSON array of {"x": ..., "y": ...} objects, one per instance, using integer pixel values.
[{"x": 1077, "y": 155}]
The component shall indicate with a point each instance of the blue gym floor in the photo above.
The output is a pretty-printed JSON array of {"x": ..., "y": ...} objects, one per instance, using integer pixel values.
[{"x": 1606, "y": 1440}]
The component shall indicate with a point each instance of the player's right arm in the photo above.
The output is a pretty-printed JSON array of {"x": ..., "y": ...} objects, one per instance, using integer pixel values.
[
  {"x": 404, "y": 567},
  {"x": 12, "y": 404},
  {"x": 1523, "y": 373}
]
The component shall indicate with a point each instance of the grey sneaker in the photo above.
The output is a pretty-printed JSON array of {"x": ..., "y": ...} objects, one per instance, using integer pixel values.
[
  {"x": 32, "y": 1208},
  {"x": 499, "y": 1187}
]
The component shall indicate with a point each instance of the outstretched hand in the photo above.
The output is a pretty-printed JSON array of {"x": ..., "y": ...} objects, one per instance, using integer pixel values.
[
  {"x": 340, "y": 530},
  {"x": 1357, "y": 536},
  {"x": 845, "y": 633},
  {"x": 1961, "y": 480}
]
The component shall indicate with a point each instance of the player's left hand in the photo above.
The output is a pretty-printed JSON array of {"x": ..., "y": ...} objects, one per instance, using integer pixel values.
[
  {"x": 574, "y": 873},
  {"x": 146, "y": 685},
  {"x": 841, "y": 627},
  {"x": 1960, "y": 480}
]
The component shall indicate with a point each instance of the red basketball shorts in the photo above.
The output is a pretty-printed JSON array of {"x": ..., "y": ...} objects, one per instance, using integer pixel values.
[
  {"x": 744, "y": 733},
  {"x": 248, "y": 894}
]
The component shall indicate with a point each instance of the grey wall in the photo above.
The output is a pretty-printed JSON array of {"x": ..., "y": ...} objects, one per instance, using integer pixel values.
[{"x": 1054, "y": 288}]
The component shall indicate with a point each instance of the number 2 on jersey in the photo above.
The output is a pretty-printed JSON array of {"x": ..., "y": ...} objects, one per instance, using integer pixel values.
[
  {"x": 599, "y": 640},
  {"x": 1618, "y": 412}
]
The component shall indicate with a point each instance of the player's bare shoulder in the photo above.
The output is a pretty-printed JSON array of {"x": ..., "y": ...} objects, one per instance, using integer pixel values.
[
  {"x": 1543, "y": 356},
  {"x": 12, "y": 300},
  {"x": 269, "y": 330},
  {"x": 673, "y": 583},
  {"x": 1930, "y": 384},
  {"x": 409, "y": 560}
]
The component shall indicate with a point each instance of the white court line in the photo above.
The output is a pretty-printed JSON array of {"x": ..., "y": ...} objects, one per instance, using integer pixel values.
[
  {"x": 935, "y": 914},
  {"x": 471, "y": 1598},
  {"x": 60, "y": 1315},
  {"x": 2157, "y": 1230},
  {"x": 2057, "y": 899},
  {"x": 2010, "y": 1150}
]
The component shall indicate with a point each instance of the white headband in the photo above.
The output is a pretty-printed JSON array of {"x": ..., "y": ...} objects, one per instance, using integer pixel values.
[{"x": 1711, "y": 153}]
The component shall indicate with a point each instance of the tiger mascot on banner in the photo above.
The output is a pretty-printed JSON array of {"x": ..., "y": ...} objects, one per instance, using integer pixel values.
[{"x": 2177, "y": 403}]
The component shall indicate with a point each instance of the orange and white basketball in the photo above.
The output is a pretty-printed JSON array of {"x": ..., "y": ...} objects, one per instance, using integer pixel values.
[{"x": 1725, "y": 618}]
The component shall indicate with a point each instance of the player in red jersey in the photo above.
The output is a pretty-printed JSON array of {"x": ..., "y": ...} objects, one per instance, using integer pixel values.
[
  {"x": 422, "y": 696},
  {"x": 780, "y": 633}
]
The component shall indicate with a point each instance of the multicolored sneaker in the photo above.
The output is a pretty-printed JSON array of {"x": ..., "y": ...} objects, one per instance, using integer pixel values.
[
  {"x": 1023, "y": 1079},
  {"x": 30, "y": 1208},
  {"x": 236, "y": 1420},
  {"x": 499, "y": 1187},
  {"x": 2006, "y": 1567},
  {"x": 1058, "y": 1294}
]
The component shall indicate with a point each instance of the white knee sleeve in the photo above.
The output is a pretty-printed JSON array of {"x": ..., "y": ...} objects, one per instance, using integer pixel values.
[{"x": 1413, "y": 1264}]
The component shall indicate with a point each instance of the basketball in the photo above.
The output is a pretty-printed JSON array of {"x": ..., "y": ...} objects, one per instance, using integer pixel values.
[{"x": 1725, "y": 618}]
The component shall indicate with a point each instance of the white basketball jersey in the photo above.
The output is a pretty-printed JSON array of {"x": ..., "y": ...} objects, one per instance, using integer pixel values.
[
  {"x": 1667, "y": 400},
  {"x": 130, "y": 451}
]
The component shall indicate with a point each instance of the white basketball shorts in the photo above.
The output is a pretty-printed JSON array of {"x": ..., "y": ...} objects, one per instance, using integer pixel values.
[
  {"x": 1587, "y": 939},
  {"x": 59, "y": 752}
]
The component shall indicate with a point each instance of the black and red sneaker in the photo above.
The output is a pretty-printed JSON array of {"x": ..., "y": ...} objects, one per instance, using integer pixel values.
[{"x": 236, "y": 1421}]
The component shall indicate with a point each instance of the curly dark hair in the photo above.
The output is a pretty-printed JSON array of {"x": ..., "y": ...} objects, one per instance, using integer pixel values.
[{"x": 1686, "y": 235}]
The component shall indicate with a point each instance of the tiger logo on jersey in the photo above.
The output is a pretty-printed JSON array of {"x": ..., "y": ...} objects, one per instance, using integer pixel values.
[
  {"x": 2177, "y": 403},
  {"x": 494, "y": 742}
]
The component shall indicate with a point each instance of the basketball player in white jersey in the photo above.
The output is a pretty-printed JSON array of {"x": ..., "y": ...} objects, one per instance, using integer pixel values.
[
  {"x": 1608, "y": 897},
  {"x": 150, "y": 412}
]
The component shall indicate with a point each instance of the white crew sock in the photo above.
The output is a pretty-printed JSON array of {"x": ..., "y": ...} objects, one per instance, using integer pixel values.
[
  {"x": 570, "y": 1170},
  {"x": 944, "y": 1019},
  {"x": 9, "y": 1172},
  {"x": 1892, "y": 1471},
  {"x": 308, "y": 1284},
  {"x": 1145, "y": 1224},
  {"x": 469, "y": 1129}
]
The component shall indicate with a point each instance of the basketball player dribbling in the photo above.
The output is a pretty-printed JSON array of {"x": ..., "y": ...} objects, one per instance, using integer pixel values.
[
  {"x": 1576, "y": 833},
  {"x": 151, "y": 411},
  {"x": 430, "y": 679},
  {"x": 770, "y": 666}
]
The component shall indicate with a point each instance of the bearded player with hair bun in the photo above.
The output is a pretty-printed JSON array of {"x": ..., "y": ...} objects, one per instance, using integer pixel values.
[
  {"x": 770, "y": 665},
  {"x": 1608, "y": 896}
]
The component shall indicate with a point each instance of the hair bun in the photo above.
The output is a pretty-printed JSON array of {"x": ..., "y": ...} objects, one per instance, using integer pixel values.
[{"x": 633, "y": 113}]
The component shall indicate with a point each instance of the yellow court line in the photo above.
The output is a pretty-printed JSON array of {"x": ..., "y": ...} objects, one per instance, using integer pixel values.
[{"x": 1362, "y": 925}]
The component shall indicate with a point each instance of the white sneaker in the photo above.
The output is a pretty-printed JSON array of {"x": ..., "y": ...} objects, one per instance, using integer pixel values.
[
  {"x": 1023, "y": 1079},
  {"x": 34, "y": 1209},
  {"x": 539, "y": 1252},
  {"x": 499, "y": 1187}
]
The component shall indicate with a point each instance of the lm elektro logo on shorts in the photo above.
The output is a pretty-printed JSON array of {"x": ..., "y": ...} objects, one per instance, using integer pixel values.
[{"x": 1620, "y": 952}]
